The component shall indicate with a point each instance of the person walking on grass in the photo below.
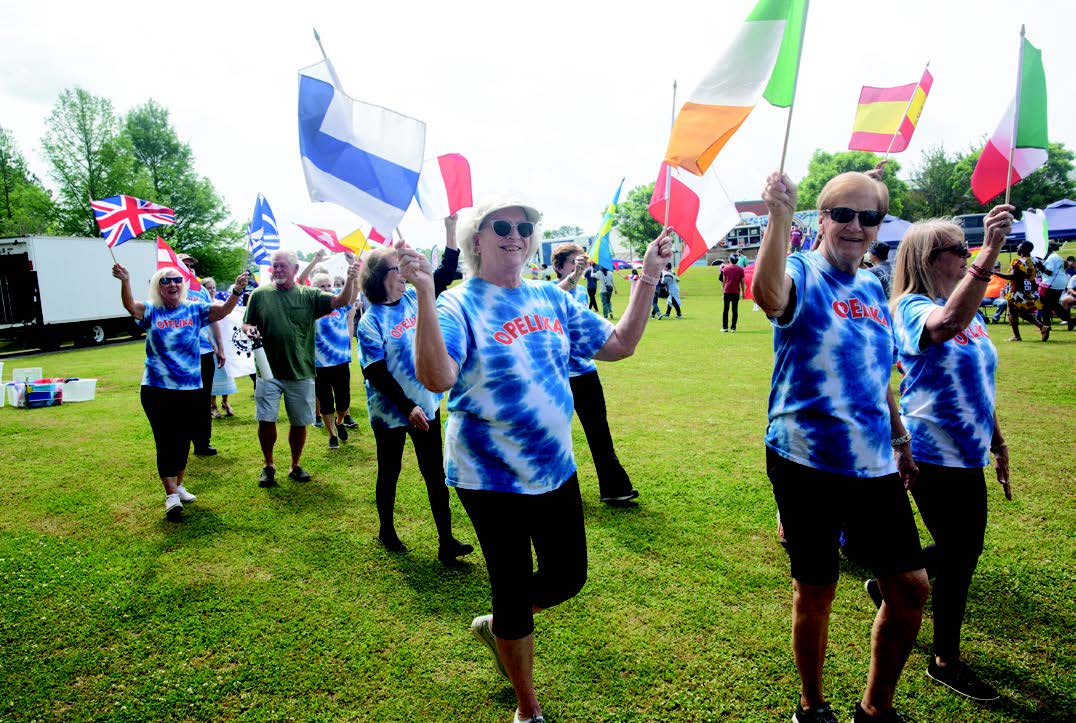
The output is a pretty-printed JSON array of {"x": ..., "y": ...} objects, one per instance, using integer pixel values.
[
  {"x": 332, "y": 364},
  {"x": 668, "y": 277},
  {"x": 837, "y": 453},
  {"x": 282, "y": 315},
  {"x": 608, "y": 288},
  {"x": 171, "y": 393},
  {"x": 732, "y": 287},
  {"x": 211, "y": 357},
  {"x": 947, "y": 405},
  {"x": 496, "y": 343}
]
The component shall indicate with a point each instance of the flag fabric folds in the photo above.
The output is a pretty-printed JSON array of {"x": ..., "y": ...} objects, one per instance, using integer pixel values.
[
  {"x": 262, "y": 235},
  {"x": 602, "y": 250},
  {"x": 700, "y": 211},
  {"x": 121, "y": 218},
  {"x": 360, "y": 156},
  {"x": 356, "y": 242},
  {"x": 1037, "y": 232},
  {"x": 444, "y": 186},
  {"x": 762, "y": 61},
  {"x": 326, "y": 237},
  {"x": 889, "y": 116},
  {"x": 166, "y": 258},
  {"x": 1030, "y": 147}
]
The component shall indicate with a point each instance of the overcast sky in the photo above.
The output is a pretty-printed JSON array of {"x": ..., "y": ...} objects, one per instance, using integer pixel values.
[{"x": 556, "y": 100}]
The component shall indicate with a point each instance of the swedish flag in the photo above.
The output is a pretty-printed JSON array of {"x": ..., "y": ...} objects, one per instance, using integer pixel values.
[{"x": 602, "y": 250}]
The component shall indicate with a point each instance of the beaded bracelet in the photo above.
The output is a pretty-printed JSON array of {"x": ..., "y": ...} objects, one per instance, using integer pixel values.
[
  {"x": 646, "y": 279},
  {"x": 901, "y": 440},
  {"x": 979, "y": 272}
]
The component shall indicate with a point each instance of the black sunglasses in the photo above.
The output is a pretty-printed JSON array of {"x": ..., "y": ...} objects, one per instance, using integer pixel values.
[
  {"x": 503, "y": 228},
  {"x": 166, "y": 280},
  {"x": 845, "y": 215},
  {"x": 960, "y": 249}
]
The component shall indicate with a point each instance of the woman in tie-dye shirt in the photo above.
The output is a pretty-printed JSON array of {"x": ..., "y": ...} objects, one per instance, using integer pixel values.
[
  {"x": 947, "y": 404},
  {"x": 172, "y": 380},
  {"x": 501, "y": 347},
  {"x": 332, "y": 363},
  {"x": 834, "y": 431}
]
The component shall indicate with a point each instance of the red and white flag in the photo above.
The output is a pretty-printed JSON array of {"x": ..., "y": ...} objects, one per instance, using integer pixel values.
[
  {"x": 166, "y": 258},
  {"x": 444, "y": 186},
  {"x": 701, "y": 211},
  {"x": 326, "y": 237}
]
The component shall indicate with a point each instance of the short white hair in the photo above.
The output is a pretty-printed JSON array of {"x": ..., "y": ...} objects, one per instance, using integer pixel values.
[
  {"x": 470, "y": 225},
  {"x": 154, "y": 294},
  {"x": 293, "y": 258}
]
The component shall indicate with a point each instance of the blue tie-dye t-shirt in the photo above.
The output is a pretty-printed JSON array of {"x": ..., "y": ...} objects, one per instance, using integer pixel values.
[
  {"x": 387, "y": 331},
  {"x": 577, "y": 366},
  {"x": 947, "y": 394},
  {"x": 510, "y": 412},
  {"x": 332, "y": 343},
  {"x": 832, "y": 364},
  {"x": 205, "y": 346},
  {"x": 172, "y": 339}
]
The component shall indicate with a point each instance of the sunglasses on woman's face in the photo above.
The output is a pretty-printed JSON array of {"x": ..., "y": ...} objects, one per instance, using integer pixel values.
[
  {"x": 845, "y": 215},
  {"x": 166, "y": 280},
  {"x": 503, "y": 228},
  {"x": 960, "y": 249}
]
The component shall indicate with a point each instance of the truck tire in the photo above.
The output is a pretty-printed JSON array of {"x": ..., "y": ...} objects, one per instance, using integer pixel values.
[{"x": 97, "y": 334}]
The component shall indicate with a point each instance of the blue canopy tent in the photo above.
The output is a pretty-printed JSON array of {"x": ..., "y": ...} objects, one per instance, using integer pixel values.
[
  {"x": 1060, "y": 222},
  {"x": 892, "y": 230}
]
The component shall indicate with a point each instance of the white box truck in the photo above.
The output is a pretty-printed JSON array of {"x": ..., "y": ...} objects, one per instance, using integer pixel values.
[{"x": 60, "y": 288}]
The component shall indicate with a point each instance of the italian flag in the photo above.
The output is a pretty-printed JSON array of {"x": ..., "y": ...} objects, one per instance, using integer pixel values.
[
  {"x": 1029, "y": 148},
  {"x": 762, "y": 61}
]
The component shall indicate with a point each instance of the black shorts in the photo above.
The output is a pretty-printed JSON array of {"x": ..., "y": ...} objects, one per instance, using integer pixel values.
[
  {"x": 332, "y": 385},
  {"x": 816, "y": 506}
]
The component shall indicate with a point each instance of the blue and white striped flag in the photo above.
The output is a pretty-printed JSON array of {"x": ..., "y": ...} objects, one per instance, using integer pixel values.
[
  {"x": 262, "y": 233},
  {"x": 361, "y": 156}
]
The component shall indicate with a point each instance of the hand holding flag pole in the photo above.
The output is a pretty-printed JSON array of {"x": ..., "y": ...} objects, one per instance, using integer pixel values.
[{"x": 1015, "y": 116}]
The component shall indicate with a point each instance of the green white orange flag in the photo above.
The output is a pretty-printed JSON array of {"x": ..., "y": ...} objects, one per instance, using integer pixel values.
[
  {"x": 761, "y": 62},
  {"x": 1029, "y": 147}
]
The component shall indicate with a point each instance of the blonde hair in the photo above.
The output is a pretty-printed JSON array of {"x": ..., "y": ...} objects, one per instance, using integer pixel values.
[
  {"x": 913, "y": 271},
  {"x": 471, "y": 224},
  {"x": 155, "y": 285}
]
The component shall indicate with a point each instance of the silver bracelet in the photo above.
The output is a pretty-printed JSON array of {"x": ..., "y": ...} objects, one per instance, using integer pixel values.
[
  {"x": 901, "y": 440},
  {"x": 646, "y": 279}
]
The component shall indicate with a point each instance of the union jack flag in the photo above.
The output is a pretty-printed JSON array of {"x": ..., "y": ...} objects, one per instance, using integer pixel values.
[{"x": 121, "y": 218}]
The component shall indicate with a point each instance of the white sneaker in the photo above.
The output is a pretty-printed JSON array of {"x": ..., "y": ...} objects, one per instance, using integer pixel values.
[
  {"x": 482, "y": 628},
  {"x": 173, "y": 508},
  {"x": 184, "y": 495},
  {"x": 536, "y": 719}
]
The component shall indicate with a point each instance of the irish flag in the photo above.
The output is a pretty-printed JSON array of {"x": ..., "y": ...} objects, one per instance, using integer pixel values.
[
  {"x": 1029, "y": 147},
  {"x": 762, "y": 62}
]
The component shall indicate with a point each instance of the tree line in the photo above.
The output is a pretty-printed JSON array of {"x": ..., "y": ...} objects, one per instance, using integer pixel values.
[
  {"x": 93, "y": 153},
  {"x": 939, "y": 186}
]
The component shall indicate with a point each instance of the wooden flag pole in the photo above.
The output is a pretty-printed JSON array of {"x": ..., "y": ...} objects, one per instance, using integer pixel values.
[
  {"x": 669, "y": 169},
  {"x": 799, "y": 56},
  {"x": 905, "y": 115},
  {"x": 1015, "y": 115}
]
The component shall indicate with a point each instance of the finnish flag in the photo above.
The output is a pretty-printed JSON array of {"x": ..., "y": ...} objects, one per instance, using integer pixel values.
[{"x": 360, "y": 156}]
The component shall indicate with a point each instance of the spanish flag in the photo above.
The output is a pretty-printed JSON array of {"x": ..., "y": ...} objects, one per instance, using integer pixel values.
[
  {"x": 762, "y": 62},
  {"x": 886, "y": 117}
]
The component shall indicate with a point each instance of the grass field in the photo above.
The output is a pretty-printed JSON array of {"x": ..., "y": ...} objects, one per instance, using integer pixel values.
[{"x": 267, "y": 605}]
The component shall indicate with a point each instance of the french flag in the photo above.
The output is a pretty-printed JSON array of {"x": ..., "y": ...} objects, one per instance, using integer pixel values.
[
  {"x": 700, "y": 211},
  {"x": 444, "y": 186}
]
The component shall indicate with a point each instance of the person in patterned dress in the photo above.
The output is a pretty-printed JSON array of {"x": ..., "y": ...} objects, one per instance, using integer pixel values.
[{"x": 1022, "y": 294}]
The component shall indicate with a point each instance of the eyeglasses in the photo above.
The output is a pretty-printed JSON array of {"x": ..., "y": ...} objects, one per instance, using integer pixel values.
[
  {"x": 960, "y": 249},
  {"x": 166, "y": 280},
  {"x": 842, "y": 214},
  {"x": 393, "y": 268},
  {"x": 503, "y": 228}
]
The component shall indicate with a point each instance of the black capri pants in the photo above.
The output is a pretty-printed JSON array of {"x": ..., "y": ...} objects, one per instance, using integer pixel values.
[
  {"x": 332, "y": 385},
  {"x": 173, "y": 416},
  {"x": 506, "y": 525}
]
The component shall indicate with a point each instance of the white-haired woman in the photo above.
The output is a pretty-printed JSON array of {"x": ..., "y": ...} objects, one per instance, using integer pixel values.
[
  {"x": 501, "y": 347},
  {"x": 947, "y": 404},
  {"x": 398, "y": 405},
  {"x": 172, "y": 380},
  {"x": 332, "y": 363},
  {"x": 837, "y": 453}
]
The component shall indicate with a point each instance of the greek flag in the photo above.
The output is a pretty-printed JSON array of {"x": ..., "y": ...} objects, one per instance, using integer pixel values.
[
  {"x": 262, "y": 234},
  {"x": 360, "y": 156}
]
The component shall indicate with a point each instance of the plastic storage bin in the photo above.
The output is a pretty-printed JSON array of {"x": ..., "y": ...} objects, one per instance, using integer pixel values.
[
  {"x": 80, "y": 390},
  {"x": 26, "y": 374}
]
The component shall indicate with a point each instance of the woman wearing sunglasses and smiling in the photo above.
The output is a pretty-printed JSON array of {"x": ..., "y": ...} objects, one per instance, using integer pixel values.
[
  {"x": 501, "y": 346},
  {"x": 172, "y": 380},
  {"x": 837, "y": 453},
  {"x": 947, "y": 404}
]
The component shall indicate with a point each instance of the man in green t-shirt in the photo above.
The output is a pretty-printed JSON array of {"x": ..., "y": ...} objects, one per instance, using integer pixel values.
[{"x": 282, "y": 314}]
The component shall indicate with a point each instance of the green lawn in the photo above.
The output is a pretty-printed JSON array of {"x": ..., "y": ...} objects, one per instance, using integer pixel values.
[{"x": 269, "y": 605}]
